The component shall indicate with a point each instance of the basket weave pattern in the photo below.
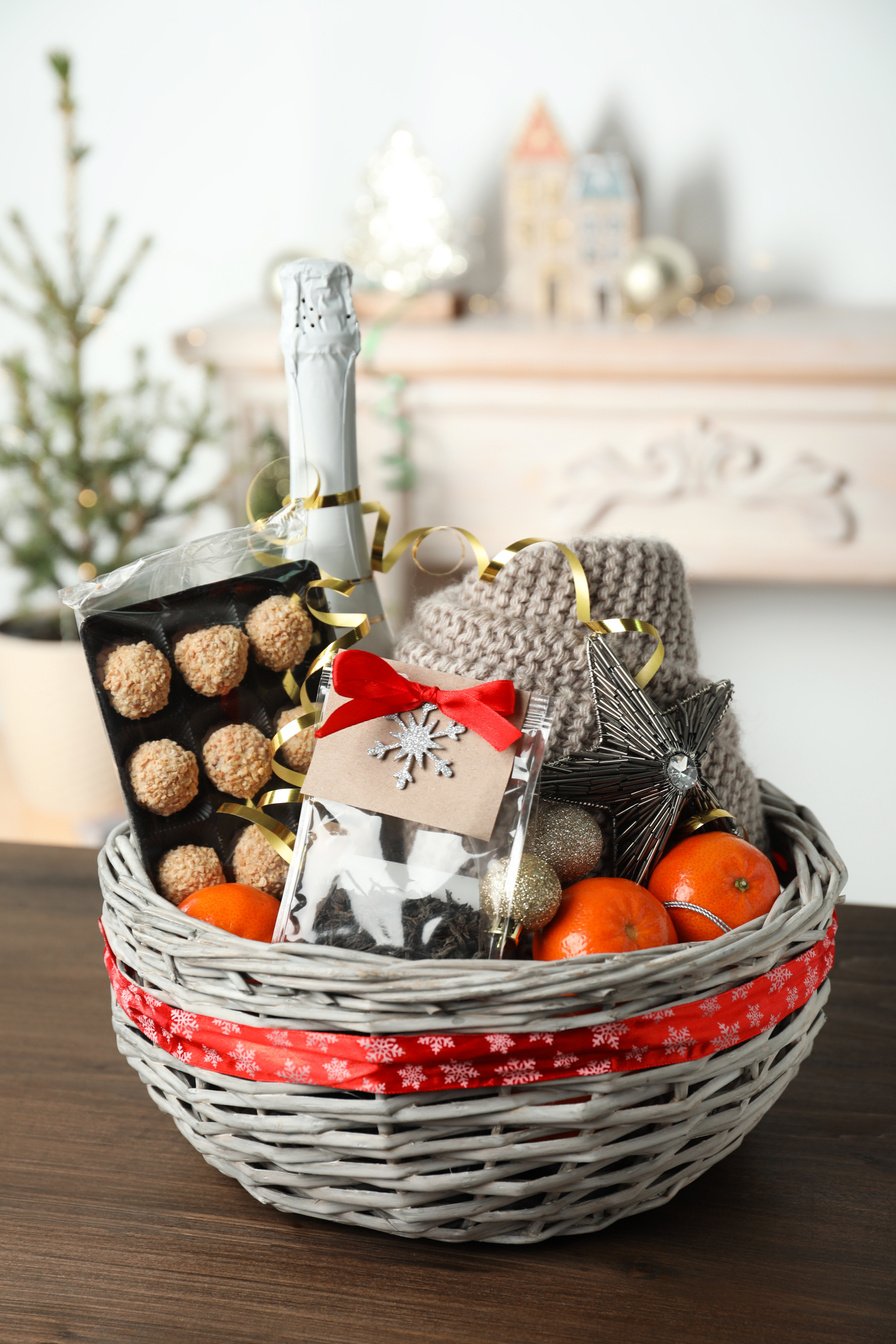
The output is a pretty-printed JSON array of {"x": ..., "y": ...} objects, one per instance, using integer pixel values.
[{"x": 509, "y": 1164}]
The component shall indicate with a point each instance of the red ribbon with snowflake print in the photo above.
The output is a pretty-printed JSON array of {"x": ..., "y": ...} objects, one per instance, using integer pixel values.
[{"x": 439, "y": 1061}]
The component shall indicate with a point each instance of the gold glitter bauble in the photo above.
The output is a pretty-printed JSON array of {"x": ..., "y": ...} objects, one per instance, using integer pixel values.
[
  {"x": 569, "y": 838},
  {"x": 535, "y": 899}
]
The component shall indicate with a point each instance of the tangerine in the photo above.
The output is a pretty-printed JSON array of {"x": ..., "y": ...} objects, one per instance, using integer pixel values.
[
  {"x": 604, "y": 914},
  {"x": 711, "y": 883},
  {"x": 235, "y": 907}
]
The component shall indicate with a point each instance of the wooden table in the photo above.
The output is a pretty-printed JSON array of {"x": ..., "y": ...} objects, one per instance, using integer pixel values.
[{"x": 118, "y": 1233}]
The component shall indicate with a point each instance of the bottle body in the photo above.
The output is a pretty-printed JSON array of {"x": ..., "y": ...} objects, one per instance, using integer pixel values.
[{"x": 320, "y": 340}]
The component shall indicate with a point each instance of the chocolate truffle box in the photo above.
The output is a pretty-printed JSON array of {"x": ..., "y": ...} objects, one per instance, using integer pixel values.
[{"x": 206, "y": 738}]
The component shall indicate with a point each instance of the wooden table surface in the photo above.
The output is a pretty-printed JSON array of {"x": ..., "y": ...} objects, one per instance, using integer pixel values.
[{"x": 116, "y": 1231}]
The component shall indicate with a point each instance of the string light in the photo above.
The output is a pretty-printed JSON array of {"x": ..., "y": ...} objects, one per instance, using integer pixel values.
[
  {"x": 87, "y": 497},
  {"x": 86, "y": 571},
  {"x": 404, "y": 237}
]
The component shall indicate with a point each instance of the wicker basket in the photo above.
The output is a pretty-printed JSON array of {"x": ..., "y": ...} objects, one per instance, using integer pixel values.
[{"x": 509, "y": 1164}]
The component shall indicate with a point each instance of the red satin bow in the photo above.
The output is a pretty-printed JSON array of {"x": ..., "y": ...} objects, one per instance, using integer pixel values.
[{"x": 375, "y": 690}]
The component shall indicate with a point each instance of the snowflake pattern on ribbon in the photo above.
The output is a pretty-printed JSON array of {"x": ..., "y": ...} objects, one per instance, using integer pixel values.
[
  {"x": 500, "y": 1043},
  {"x": 520, "y": 1071},
  {"x": 416, "y": 742},
  {"x": 390, "y": 1065},
  {"x": 293, "y": 1072},
  {"x": 183, "y": 1023},
  {"x": 678, "y": 1041},
  {"x": 729, "y": 1034},
  {"x": 461, "y": 1074},
  {"x": 383, "y": 1049},
  {"x": 437, "y": 1043},
  {"x": 564, "y": 1061},
  {"x": 226, "y": 1027},
  {"x": 244, "y": 1059},
  {"x": 608, "y": 1033}
]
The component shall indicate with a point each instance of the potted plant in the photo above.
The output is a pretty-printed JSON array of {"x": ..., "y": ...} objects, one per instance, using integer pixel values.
[{"x": 89, "y": 480}]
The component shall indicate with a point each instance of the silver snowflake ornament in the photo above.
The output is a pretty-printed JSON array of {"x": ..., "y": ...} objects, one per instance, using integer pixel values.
[
  {"x": 416, "y": 742},
  {"x": 647, "y": 767}
]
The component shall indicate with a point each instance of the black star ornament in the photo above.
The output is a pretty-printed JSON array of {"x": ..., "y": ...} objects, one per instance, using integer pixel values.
[{"x": 647, "y": 768}]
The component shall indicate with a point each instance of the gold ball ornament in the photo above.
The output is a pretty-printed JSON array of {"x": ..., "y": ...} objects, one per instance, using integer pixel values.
[
  {"x": 656, "y": 275},
  {"x": 535, "y": 898},
  {"x": 568, "y": 838}
]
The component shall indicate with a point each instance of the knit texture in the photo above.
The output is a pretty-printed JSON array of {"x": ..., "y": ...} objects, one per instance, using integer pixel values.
[{"x": 523, "y": 626}]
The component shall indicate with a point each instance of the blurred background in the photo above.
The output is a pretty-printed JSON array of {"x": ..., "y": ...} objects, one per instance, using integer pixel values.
[{"x": 621, "y": 268}]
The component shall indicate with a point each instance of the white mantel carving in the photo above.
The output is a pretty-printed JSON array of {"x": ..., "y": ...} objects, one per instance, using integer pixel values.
[{"x": 713, "y": 464}]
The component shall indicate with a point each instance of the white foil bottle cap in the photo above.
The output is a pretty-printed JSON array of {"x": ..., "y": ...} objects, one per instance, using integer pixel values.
[{"x": 317, "y": 309}]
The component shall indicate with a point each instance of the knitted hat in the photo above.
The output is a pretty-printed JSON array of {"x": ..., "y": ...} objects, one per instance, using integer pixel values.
[{"x": 523, "y": 626}]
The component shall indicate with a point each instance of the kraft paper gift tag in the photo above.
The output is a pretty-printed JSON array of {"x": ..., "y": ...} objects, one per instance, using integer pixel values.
[{"x": 343, "y": 770}]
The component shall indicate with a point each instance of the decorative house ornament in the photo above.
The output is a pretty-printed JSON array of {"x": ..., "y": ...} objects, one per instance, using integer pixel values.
[
  {"x": 646, "y": 769},
  {"x": 568, "y": 225}
]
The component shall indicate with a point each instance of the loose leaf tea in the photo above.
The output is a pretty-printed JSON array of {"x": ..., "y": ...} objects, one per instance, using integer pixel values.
[{"x": 370, "y": 881}]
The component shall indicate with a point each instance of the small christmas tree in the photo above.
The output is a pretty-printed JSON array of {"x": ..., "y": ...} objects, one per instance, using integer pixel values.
[
  {"x": 89, "y": 478},
  {"x": 404, "y": 235}
]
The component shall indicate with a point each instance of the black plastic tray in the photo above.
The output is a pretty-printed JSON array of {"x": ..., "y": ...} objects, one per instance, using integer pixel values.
[{"x": 189, "y": 718}]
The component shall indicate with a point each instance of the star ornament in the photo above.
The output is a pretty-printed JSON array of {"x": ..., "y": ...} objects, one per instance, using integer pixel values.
[{"x": 647, "y": 767}]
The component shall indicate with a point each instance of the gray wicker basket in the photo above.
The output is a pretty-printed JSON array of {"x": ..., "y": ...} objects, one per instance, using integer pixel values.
[{"x": 505, "y": 1164}]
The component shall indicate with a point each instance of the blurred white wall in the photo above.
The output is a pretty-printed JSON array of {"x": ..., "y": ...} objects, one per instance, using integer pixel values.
[{"x": 233, "y": 130}]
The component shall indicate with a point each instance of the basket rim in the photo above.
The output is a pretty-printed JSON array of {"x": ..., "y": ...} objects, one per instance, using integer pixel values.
[{"x": 171, "y": 933}]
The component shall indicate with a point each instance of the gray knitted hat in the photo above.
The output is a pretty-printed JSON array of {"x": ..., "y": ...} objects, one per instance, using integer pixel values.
[{"x": 523, "y": 625}]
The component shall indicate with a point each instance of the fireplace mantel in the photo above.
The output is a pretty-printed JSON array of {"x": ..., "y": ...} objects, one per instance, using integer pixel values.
[{"x": 764, "y": 446}]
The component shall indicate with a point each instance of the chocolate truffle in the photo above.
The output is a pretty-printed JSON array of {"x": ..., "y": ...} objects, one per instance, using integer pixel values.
[
  {"x": 279, "y": 631},
  {"x": 256, "y": 863},
  {"x": 186, "y": 869},
  {"x": 237, "y": 759},
  {"x": 164, "y": 776},
  {"x": 137, "y": 677},
  {"x": 212, "y": 661},
  {"x": 296, "y": 753}
]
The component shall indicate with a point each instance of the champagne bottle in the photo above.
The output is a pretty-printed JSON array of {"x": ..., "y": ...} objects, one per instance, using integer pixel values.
[{"x": 320, "y": 340}]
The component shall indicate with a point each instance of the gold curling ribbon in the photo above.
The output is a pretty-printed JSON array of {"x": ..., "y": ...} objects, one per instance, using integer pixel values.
[
  {"x": 488, "y": 570},
  {"x": 319, "y": 501},
  {"x": 694, "y": 824},
  {"x": 279, "y": 837},
  {"x": 356, "y": 626}
]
